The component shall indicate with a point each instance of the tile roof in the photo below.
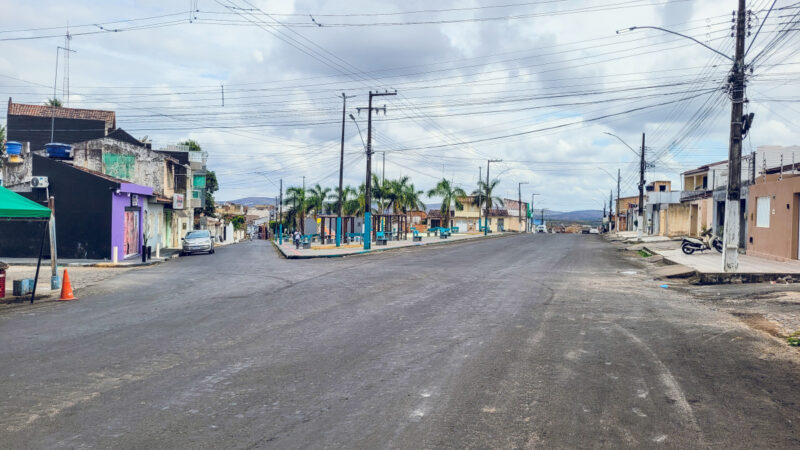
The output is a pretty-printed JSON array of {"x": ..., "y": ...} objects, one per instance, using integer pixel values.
[{"x": 19, "y": 109}]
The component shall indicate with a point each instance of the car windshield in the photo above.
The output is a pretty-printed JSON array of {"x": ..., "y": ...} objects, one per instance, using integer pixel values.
[{"x": 197, "y": 234}]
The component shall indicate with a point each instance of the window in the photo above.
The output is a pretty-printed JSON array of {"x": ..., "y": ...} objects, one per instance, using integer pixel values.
[
  {"x": 762, "y": 212},
  {"x": 662, "y": 188}
]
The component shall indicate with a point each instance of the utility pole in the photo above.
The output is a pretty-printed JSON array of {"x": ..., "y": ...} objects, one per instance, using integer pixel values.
[
  {"x": 368, "y": 194},
  {"x": 641, "y": 191},
  {"x": 610, "y": 209},
  {"x": 730, "y": 240},
  {"x": 341, "y": 172},
  {"x": 304, "y": 183},
  {"x": 618, "y": 180},
  {"x": 480, "y": 197},
  {"x": 383, "y": 171},
  {"x": 519, "y": 202},
  {"x": 532, "y": 196},
  {"x": 486, "y": 226},
  {"x": 280, "y": 216}
]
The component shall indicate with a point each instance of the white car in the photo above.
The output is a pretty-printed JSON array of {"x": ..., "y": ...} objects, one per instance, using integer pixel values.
[
  {"x": 594, "y": 231},
  {"x": 197, "y": 241},
  {"x": 541, "y": 229}
]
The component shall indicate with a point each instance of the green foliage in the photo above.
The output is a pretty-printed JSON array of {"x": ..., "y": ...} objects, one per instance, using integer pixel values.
[
  {"x": 298, "y": 205},
  {"x": 211, "y": 187},
  {"x": 2, "y": 134},
  {"x": 317, "y": 197},
  {"x": 192, "y": 144},
  {"x": 794, "y": 339},
  {"x": 644, "y": 253},
  {"x": 238, "y": 222},
  {"x": 451, "y": 196},
  {"x": 53, "y": 102},
  {"x": 483, "y": 194}
]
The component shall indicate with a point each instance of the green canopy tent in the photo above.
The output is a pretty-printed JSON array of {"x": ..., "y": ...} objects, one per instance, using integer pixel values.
[{"x": 16, "y": 207}]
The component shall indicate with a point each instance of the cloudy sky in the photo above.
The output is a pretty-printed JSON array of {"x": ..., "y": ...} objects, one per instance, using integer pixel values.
[{"x": 534, "y": 83}]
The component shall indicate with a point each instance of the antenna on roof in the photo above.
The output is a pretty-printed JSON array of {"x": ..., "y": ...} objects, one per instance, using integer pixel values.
[{"x": 65, "y": 84}]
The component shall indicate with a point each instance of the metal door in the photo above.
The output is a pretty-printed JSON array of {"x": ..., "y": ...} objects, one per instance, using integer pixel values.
[{"x": 131, "y": 233}]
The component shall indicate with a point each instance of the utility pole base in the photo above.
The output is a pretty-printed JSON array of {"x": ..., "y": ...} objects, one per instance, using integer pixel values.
[
  {"x": 639, "y": 228},
  {"x": 730, "y": 239}
]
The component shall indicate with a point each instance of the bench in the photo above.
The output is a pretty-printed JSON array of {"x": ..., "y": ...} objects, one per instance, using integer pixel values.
[
  {"x": 417, "y": 237},
  {"x": 354, "y": 237},
  {"x": 380, "y": 238}
]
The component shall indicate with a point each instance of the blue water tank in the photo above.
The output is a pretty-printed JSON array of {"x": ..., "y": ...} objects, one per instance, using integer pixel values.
[
  {"x": 57, "y": 150},
  {"x": 13, "y": 147}
]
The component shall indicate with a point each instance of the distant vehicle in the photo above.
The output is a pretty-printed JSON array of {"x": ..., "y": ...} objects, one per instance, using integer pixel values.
[
  {"x": 594, "y": 231},
  {"x": 585, "y": 229},
  {"x": 541, "y": 229},
  {"x": 197, "y": 241}
]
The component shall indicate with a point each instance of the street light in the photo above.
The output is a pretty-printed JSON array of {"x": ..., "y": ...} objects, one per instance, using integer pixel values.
[
  {"x": 620, "y": 139},
  {"x": 359, "y": 132}
]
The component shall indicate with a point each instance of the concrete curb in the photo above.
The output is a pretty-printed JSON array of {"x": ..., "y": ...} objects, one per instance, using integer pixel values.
[
  {"x": 105, "y": 264},
  {"x": 380, "y": 250}
]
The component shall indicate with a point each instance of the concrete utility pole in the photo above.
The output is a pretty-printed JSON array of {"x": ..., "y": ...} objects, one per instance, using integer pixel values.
[
  {"x": 610, "y": 207},
  {"x": 531, "y": 219},
  {"x": 519, "y": 202},
  {"x": 480, "y": 197},
  {"x": 618, "y": 180},
  {"x": 341, "y": 172},
  {"x": 730, "y": 240},
  {"x": 486, "y": 225},
  {"x": 368, "y": 193},
  {"x": 280, "y": 216},
  {"x": 641, "y": 192},
  {"x": 55, "y": 282},
  {"x": 383, "y": 171}
]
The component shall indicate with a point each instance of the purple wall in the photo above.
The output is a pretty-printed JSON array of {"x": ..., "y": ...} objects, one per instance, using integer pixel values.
[{"x": 118, "y": 204}]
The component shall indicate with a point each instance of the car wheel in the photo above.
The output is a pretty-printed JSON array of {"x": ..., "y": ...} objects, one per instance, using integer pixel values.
[{"x": 182, "y": 254}]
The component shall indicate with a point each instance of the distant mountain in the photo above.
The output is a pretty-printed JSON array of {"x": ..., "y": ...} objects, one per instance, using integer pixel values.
[
  {"x": 252, "y": 201},
  {"x": 583, "y": 215}
]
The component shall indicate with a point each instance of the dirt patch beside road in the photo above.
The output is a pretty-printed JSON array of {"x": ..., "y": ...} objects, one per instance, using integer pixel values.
[{"x": 80, "y": 277}]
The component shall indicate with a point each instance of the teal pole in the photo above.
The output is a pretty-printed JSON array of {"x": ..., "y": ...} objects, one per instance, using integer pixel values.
[
  {"x": 280, "y": 234},
  {"x": 367, "y": 230},
  {"x": 338, "y": 231}
]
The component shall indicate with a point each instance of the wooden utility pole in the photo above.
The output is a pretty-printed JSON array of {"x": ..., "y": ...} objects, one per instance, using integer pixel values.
[
  {"x": 640, "y": 218},
  {"x": 341, "y": 173},
  {"x": 368, "y": 193},
  {"x": 730, "y": 247}
]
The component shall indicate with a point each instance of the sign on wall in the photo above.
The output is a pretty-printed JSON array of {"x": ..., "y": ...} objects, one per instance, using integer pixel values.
[{"x": 177, "y": 201}]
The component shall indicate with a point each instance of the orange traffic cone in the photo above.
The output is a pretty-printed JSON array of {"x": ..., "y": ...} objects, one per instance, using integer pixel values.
[{"x": 66, "y": 288}]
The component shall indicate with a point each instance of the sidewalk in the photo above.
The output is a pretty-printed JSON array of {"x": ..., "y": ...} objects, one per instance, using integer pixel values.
[
  {"x": 165, "y": 255},
  {"x": 331, "y": 251},
  {"x": 708, "y": 265}
]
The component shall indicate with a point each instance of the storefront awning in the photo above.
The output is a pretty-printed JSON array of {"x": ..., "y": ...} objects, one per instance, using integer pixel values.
[{"x": 15, "y": 206}]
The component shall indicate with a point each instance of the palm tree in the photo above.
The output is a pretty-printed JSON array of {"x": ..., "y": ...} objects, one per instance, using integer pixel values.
[
  {"x": 298, "y": 206},
  {"x": 410, "y": 199},
  {"x": 350, "y": 204},
  {"x": 483, "y": 195},
  {"x": 451, "y": 195},
  {"x": 380, "y": 193},
  {"x": 317, "y": 196},
  {"x": 53, "y": 102}
]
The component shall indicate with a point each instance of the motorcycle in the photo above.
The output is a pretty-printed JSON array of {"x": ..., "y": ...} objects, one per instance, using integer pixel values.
[{"x": 707, "y": 242}]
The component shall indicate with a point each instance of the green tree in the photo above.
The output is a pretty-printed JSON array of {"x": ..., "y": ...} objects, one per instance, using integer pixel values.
[
  {"x": 317, "y": 198},
  {"x": 298, "y": 206},
  {"x": 211, "y": 187},
  {"x": 192, "y": 144},
  {"x": 53, "y": 102},
  {"x": 451, "y": 196},
  {"x": 2, "y": 134},
  {"x": 483, "y": 195},
  {"x": 404, "y": 196},
  {"x": 381, "y": 193},
  {"x": 350, "y": 202}
]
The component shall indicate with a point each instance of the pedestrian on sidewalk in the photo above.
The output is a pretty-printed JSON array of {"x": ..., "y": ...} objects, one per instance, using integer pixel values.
[{"x": 296, "y": 239}]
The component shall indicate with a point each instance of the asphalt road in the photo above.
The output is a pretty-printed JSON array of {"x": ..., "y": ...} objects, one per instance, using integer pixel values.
[{"x": 529, "y": 341}]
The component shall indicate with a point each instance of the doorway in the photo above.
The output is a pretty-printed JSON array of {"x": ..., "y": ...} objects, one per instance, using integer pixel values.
[
  {"x": 693, "y": 215},
  {"x": 131, "y": 242}
]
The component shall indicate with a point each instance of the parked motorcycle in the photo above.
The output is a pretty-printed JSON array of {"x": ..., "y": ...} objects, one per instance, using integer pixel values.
[{"x": 707, "y": 242}]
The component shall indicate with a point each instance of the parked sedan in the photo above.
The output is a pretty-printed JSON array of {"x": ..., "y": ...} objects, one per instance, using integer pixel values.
[{"x": 197, "y": 241}]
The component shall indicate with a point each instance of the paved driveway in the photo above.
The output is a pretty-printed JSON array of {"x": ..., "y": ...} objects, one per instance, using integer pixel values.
[{"x": 524, "y": 341}]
